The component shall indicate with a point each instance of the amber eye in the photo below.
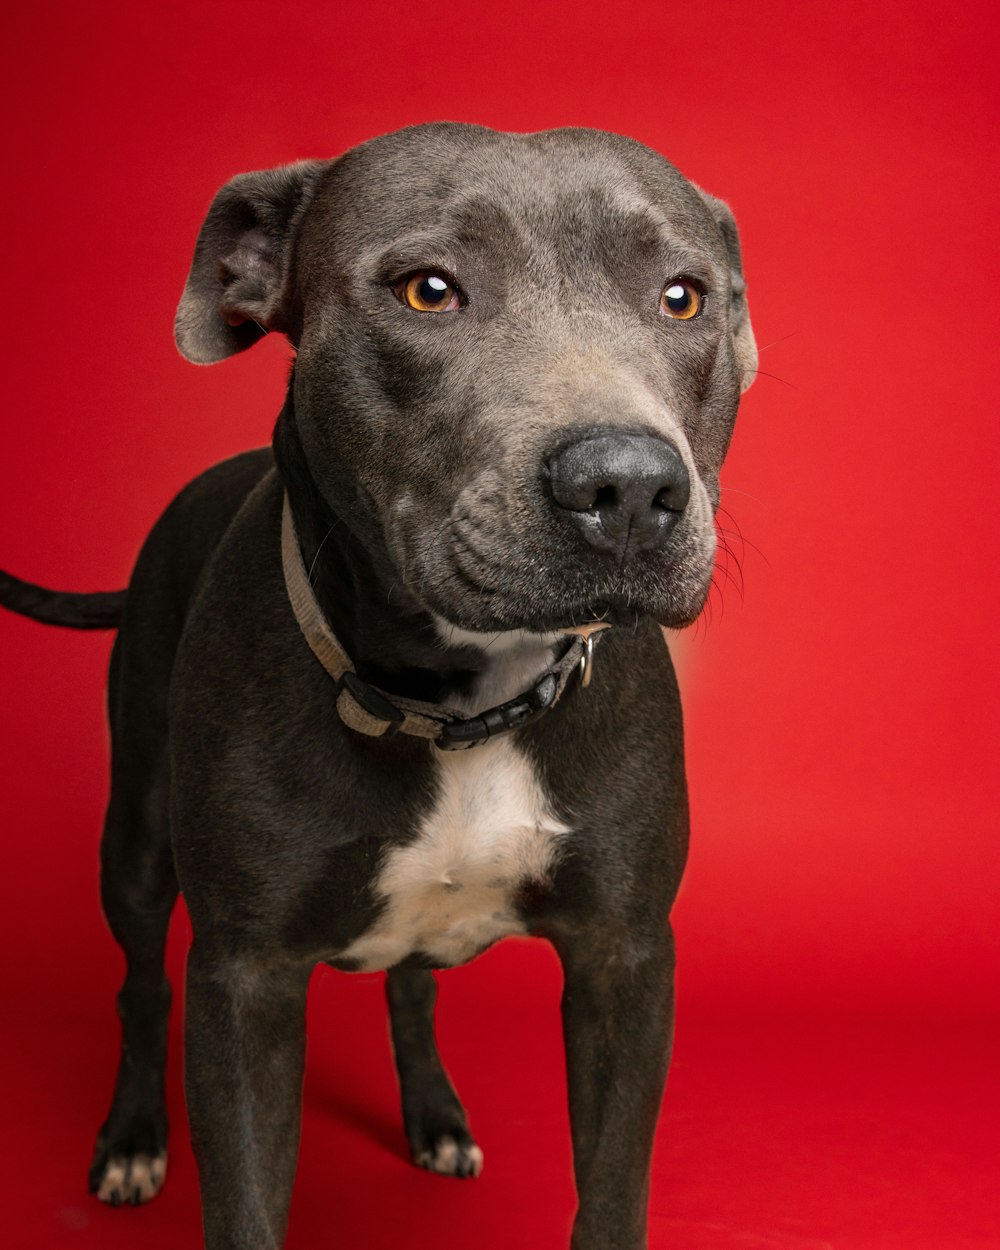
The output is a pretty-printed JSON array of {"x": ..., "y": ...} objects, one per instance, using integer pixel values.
[
  {"x": 680, "y": 300},
  {"x": 428, "y": 291}
]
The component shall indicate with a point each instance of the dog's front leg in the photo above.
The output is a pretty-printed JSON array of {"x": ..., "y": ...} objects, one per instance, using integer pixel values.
[
  {"x": 435, "y": 1119},
  {"x": 245, "y": 1050},
  {"x": 618, "y": 1013}
]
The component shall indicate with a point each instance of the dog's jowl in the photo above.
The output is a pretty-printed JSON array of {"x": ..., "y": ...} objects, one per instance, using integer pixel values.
[{"x": 395, "y": 687}]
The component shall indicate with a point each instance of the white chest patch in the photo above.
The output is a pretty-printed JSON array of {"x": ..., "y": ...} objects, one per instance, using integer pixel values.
[{"x": 450, "y": 892}]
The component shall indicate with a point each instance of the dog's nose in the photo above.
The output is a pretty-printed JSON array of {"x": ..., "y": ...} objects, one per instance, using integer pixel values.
[{"x": 624, "y": 491}]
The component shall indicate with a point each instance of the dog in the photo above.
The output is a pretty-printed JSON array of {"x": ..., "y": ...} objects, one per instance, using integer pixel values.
[{"x": 396, "y": 687}]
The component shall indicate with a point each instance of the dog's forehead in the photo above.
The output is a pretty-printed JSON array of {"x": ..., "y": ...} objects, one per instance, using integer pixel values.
[{"x": 465, "y": 177}]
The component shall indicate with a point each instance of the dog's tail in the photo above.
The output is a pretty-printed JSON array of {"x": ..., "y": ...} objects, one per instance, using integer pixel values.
[{"x": 100, "y": 610}]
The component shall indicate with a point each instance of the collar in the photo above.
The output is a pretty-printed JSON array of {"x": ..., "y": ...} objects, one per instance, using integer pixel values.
[{"x": 371, "y": 711}]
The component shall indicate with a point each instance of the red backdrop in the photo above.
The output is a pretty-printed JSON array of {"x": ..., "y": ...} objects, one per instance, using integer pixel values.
[{"x": 833, "y": 1084}]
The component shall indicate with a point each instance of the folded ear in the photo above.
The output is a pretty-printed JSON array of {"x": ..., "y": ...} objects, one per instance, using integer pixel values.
[
  {"x": 237, "y": 289},
  {"x": 744, "y": 344}
]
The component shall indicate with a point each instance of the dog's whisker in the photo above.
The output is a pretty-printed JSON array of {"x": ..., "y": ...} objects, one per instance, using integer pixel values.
[
  {"x": 736, "y": 583},
  {"x": 774, "y": 342},
  {"x": 734, "y": 490},
  {"x": 312, "y": 566},
  {"x": 764, "y": 374},
  {"x": 730, "y": 556},
  {"x": 738, "y": 534},
  {"x": 745, "y": 543},
  {"x": 726, "y": 548}
]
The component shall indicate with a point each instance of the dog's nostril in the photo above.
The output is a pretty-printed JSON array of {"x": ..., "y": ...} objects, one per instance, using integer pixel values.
[
  {"x": 669, "y": 500},
  {"x": 606, "y": 497}
]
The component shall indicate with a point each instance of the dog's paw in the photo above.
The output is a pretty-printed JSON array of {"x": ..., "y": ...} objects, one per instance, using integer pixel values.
[
  {"x": 128, "y": 1179},
  {"x": 451, "y": 1157}
]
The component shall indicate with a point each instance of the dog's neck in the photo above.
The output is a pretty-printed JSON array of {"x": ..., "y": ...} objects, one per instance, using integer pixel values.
[{"x": 394, "y": 642}]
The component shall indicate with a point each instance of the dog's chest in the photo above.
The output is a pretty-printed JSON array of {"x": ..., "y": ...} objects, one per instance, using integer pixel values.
[{"x": 452, "y": 891}]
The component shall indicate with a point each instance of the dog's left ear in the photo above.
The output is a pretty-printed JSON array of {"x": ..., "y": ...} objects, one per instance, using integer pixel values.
[
  {"x": 237, "y": 289},
  {"x": 744, "y": 343}
]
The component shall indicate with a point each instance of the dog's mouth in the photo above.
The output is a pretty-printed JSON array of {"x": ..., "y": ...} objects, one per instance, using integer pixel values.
[
  {"x": 521, "y": 593},
  {"x": 491, "y": 609}
]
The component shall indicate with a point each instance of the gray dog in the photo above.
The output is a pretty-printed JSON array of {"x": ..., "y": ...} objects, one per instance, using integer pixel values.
[{"x": 349, "y": 694}]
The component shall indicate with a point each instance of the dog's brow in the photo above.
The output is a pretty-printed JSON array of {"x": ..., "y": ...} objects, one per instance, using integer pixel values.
[
  {"x": 668, "y": 235},
  {"x": 682, "y": 260},
  {"x": 415, "y": 251}
]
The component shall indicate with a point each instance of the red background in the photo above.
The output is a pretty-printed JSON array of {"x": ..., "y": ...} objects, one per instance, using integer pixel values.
[{"x": 834, "y": 1083}]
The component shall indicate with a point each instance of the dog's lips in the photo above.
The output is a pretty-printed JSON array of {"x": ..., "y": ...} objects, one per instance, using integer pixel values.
[
  {"x": 556, "y": 618},
  {"x": 674, "y": 596}
]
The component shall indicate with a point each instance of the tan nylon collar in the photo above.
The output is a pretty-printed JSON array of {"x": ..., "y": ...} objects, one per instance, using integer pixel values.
[{"x": 371, "y": 711}]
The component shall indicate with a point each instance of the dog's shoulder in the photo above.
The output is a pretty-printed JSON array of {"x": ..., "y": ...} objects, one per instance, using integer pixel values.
[
  {"x": 183, "y": 541},
  {"x": 241, "y": 652}
]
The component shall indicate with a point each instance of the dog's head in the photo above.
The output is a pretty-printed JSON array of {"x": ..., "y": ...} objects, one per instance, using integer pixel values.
[{"x": 519, "y": 360}]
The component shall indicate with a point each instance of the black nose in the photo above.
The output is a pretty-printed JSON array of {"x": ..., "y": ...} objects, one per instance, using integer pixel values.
[{"x": 626, "y": 492}]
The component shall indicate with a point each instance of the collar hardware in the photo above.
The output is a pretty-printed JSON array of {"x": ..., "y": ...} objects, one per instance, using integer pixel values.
[
  {"x": 459, "y": 734},
  {"x": 370, "y": 700},
  {"x": 588, "y": 634}
]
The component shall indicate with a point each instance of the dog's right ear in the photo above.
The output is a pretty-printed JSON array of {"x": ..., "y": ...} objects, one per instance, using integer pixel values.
[{"x": 237, "y": 289}]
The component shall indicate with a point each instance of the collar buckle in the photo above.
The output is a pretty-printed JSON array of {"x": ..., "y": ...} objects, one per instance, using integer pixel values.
[{"x": 458, "y": 735}]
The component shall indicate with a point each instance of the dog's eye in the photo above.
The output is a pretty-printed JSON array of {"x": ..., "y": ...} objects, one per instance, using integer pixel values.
[
  {"x": 428, "y": 291},
  {"x": 680, "y": 300}
]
